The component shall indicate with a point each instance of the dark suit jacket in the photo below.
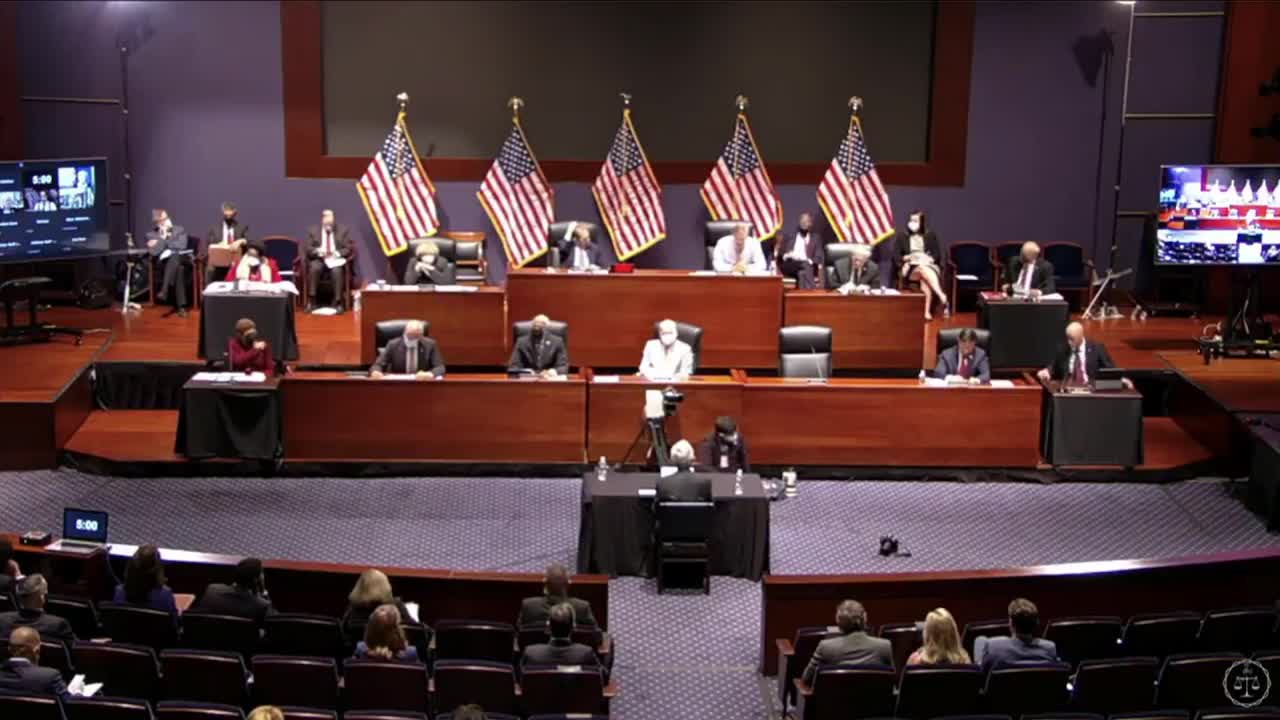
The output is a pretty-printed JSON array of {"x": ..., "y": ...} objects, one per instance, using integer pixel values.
[
  {"x": 341, "y": 241},
  {"x": 177, "y": 242},
  {"x": 594, "y": 252},
  {"x": 813, "y": 248},
  {"x": 738, "y": 455},
  {"x": 441, "y": 272},
  {"x": 869, "y": 274},
  {"x": 20, "y": 676},
  {"x": 902, "y": 248},
  {"x": 49, "y": 626},
  {"x": 534, "y": 610},
  {"x": 1006, "y": 651},
  {"x": 234, "y": 600},
  {"x": 214, "y": 236},
  {"x": 550, "y": 353},
  {"x": 684, "y": 486},
  {"x": 854, "y": 648},
  {"x": 1096, "y": 358},
  {"x": 949, "y": 364},
  {"x": 1041, "y": 276},
  {"x": 560, "y": 652},
  {"x": 392, "y": 358}
]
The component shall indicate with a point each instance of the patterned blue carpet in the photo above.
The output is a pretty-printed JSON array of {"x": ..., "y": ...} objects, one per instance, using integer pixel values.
[{"x": 685, "y": 655}]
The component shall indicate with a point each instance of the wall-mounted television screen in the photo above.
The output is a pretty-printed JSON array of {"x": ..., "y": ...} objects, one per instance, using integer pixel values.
[
  {"x": 53, "y": 209},
  {"x": 1218, "y": 215}
]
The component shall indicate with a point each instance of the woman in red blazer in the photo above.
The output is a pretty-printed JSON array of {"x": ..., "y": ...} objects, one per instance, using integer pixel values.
[
  {"x": 247, "y": 352},
  {"x": 255, "y": 265}
]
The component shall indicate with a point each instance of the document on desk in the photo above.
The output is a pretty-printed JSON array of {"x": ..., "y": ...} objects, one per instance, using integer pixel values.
[
  {"x": 456, "y": 288},
  {"x": 219, "y": 377},
  {"x": 253, "y": 377},
  {"x": 1001, "y": 383},
  {"x": 399, "y": 376},
  {"x": 1051, "y": 296},
  {"x": 334, "y": 262},
  {"x": 165, "y": 255},
  {"x": 704, "y": 273},
  {"x": 935, "y": 382},
  {"x": 965, "y": 276}
]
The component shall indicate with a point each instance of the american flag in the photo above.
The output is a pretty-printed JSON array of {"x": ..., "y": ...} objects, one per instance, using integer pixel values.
[
  {"x": 629, "y": 196},
  {"x": 851, "y": 194},
  {"x": 517, "y": 197},
  {"x": 397, "y": 193},
  {"x": 739, "y": 188}
]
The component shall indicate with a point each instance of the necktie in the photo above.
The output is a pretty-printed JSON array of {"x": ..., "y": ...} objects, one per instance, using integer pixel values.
[
  {"x": 1078, "y": 376},
  {"x": 411, "y": 360},
  {"x": 328, "y": 241},
  {"x": 228, "y": 233},
  {"x": 965, "y": 371},
  {"x": 1025, "y": 281}
]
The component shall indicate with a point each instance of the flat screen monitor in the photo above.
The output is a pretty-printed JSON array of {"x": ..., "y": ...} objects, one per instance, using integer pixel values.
[
  {"x": 84, "y": 525},
  {"x": 1218, "y": 215},
  {"x": 51, "y": 209}
]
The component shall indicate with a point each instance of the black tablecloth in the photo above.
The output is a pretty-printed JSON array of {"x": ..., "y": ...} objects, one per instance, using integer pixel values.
[
  {"x": 615, "y": 531},
  {"x": 1264, "y": 474},
  {"x": 273, "y": 314},
  {"x": 1101, "y": 428},
  {"x": 231, "y": 420},
  {"x": 1024, "y": 334}
]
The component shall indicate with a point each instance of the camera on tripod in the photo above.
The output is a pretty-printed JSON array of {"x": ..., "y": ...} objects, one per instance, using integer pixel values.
[{"x": 671, "y": 399}]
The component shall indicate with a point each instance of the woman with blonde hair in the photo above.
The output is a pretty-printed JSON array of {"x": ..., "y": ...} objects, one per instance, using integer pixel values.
[
  {"x": 266, "y": 712},
  {"x": 372, "y": 590},
  {"x": 941, "y": 642},
  {"x": 384, "y": 638}
]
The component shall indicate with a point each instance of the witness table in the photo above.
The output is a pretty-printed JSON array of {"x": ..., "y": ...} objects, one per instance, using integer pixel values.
[
  {"x": 272, "y": 312},
  {"x": 471, "y": 418},
  {"x": 1024, "y": 333},
  {"x": 615, "y": 413},
  {"x": 615, "y": 530},
  {"x": 890, "y": 422},
  {"x": 1263, "y": 496},
  {"x": 611, "y": 316},
  {"x": 230, "y": 420},
  {"x": 867, "y": 331},
  {"x": 1094, "y": 428},
  {"x": 471, "y": 327}
]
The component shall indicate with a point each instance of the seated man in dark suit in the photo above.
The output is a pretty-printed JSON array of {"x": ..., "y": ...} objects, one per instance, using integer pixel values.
[
  {"x": 561, "y": 649},
  {"x": 245, "y": 598},
  {"x": 428, "y": 267},
  {"x": 800, "y": 255},
  {"x": 856, "y": 270},
  {"x": 966, "y": 359},
  {"x": 22, "y": 673},
  {"x": 581, "y": 253},
  {"x": 170, "y": 246},
  {"x": 555, "y": 586},
  {"x": 726, "y": 447},
  {"x": 1079, "y": 361},
  {"x": 32, "y": 594},
  {"x": 540, "y": 351},
  {"x": 683, "y": 485},
  {"x": 1028, "y": 274},
  {"x": 328, "y": 244},
  {"x": 1023, "y": 646},
  {"x": 410, "y": 354},
  {"x": 853, "y": 646}
]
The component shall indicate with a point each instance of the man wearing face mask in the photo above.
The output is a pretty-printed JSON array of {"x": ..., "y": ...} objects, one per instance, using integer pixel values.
[
  {"x": 540, "y": 352},
  {"x": 410, "y": 354},
  {"x": 229, "y": 234},
  {"x": 247, "y": 351},
  {"x": 726, "y": 448},
  {"x": 428, "y": 268},
  {"x": 327, "y": 245},
  {"x": 800, "y": 255},
  {"x": 170, "y": 244},
  {"x": 255, "y": 266},
  {"x": 666, "y": 358}
]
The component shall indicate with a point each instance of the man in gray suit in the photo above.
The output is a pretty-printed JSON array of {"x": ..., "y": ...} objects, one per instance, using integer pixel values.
[
  {"x": 683, "y": 485},
  {"x": 1024, "y": 646},
  {"x": 965, "y": 359},
  {"x": 856, "y": 270},
  {"x": 853, "y": 646}
]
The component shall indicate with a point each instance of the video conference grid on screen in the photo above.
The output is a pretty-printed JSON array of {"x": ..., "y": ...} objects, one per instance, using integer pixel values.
[
  {"x": 1219, "y": 215},
  {"x": 53, "y": 208}
]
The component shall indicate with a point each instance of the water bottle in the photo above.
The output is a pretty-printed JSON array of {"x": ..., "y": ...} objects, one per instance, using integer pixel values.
[
  {"x": 921, "y": 377},
  {"x": 737, "y": 482},
  {"x": 602, "y": 469}
]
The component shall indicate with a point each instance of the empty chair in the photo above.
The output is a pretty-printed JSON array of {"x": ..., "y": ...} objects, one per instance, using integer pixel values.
[
  {"x": 1071, "y": 272},
  {"x": 1028, "y": 688},
  {"x": 137, "y": 625},
  {"x": 1084, "y": 638},
  {"x": 474, "y": 640},
  {"x": 130, "y": 671},
  {"x": 303, "y": 634},
  {"x": 1194, "y": 680},
  {"x": 989, "y": 628},
  {"x": 306, "y": 713},
  {"x": 172, "y": 710},
  {"x": 804, "y": 351},
  {"x": 203, "y": 676},
  {"x": 383, "y": 685},
  {"x": 1004, "y": 253},
  {"x": 1154, "y": 715},
  {"x": 1161, "y": 634},
  {"x": 459, "y": 682},
  {"x": 301, "y": 681},
  {"x": 207, "y": 631},
  {"x": 927, "y": 691},
  {"x": 682, "y": 538},
  {"x": 1261, "y": 712},
  {"x": 970, "y": 266},
  {"x": 905, "y": 638},
  {"x": 1115, "y": 685},
  {"x": 83, "y": 708},
  {"x": 794, "y": 656},
  {"x": 80, "y": 612},
  {"x": 561, "y": 689},
  {"x": 1238, "y": 629},
  {"x": 54, "y": 654},
  {"x": 465, "y": 249},
  {"x": 849, "y": 691},
  {"x": 30, "y": 707}
]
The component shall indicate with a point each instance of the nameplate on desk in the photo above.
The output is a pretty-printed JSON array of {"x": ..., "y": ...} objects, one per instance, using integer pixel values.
[
  {"x": 647, "y": 492},
  {"x": 1002, "y": 384},
  {"x": 607, "y": 379},
  {"x": 399, "y": 376},
  {"x": 703, "y": 273},
  {"x": 456, "y": 288}
]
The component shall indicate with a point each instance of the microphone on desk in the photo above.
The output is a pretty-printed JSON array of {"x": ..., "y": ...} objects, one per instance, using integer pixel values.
[{"x": 814, "y": 353}]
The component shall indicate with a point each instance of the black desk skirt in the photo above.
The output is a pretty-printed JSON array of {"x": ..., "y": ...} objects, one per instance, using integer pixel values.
[
  {"x": 615, "y": 531},
  {"x": 1264, "y": 475},
  {"x": 1093, "y": 429},
  {"x": 230, "y": 421},
  {"x": 272, "y": 313},
  {"x": 1024, "y": 334}
]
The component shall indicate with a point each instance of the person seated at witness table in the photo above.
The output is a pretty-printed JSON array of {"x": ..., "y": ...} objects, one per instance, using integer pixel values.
[
  {"x": 1027, "y": 274},
  {"x": 555, "y": 591},
  {"x": 667, "y": 358},
  {"x": 144, "y": 583},
  {"x": 410, "y": 354},
  {"x": 228, "y": 234},
  {"x": 247, "y": 351},
  {"x": 1022, "y": 646},
  {"x": 800, "y": 255},
  {"x": 726, "y": 448},
  {"x": 255, "y": 266},
  {"x": 738, "y": 253},
  {"x": 578, "y": 251},
  {"x": 246, "y": 597},
  {"x": 428, "y": 267},
  {"x": 9, "y": 570},
  {"x": 1078, "y": 362},
  {"x": 540, "y": 352},
  {"x": 33, "y": 593},
  {"x": 22, "y": 673},
  {"x": 684, "y": 485},
  {"x": 856, "y": 271},
  {"x": 384, "y": 638},
  {"x": 266, "y": 712},
  {"x": 328, "y": 243},
  {"x": 941, "y": 641},
  {"x": 917, "y": 254},
  {"x": 965, "y": 359},
  {"x": 853, "y": 646},
  {"x": 165, "y": 237},
  {"x": 560, "y": 649},
  {"x": 372, "y": 590}
]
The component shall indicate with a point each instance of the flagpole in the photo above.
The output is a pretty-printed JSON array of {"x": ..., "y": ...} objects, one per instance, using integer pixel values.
[
  {"x": 741, "y": 102},
  {"x": 515, "y": 103},
  {"x": 855, "y": 104},
  {"x": 403, "y": 100}
]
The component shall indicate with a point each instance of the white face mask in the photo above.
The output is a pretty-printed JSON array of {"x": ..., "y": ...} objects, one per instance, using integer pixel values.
[
  {"x": 253, "y": 261},
  {"x": 427, "y": 259},
  {"x": 668, "y": 339},
  {"x": 914, "y": 226}
]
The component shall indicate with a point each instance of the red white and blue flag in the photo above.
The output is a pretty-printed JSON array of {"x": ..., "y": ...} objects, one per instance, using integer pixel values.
[
  {"x": 739, "y": 187},
  {"x": 629, "y": 196},
  {"x": 397, "y": 194},
  {"x": 518, "y": 199}
]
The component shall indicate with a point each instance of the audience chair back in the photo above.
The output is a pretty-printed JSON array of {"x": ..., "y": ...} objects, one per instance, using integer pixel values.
[
  {"x": 850, "y": 691},
  {"x": 716, "y": 229},
  {"x": 904, "y": 638},
  {"x": 832, "y": 252},
  {"x": 990, "y": 628},
  {"x": 561, "y": 690},
  {"x": 304, "y": 681},
  {"x": 460, "y": 682},
  {"x": 929, "y": 691},
  {"x": 204, "y": 676},
  {"x": 793, "y": 664},
  {"x": 948, "y": 338},
  {"x": 689, "y": 334},
  {"x": 682, "y": 534},
  {"x": 804, "y": 351},
  {"x": 1028, "y": 688},
  {"x": 1192, "y": 681},
  {"x": 1115, "y": 686},
  {"x": 1161, "y": 634},
  {"x": 474, "y": 640},
  {"x": 173, "y": 710},
  {"x": 130, "y": 671},
  {"x": 303, "y": 634},
  {"x": 207, "y": 631},
  {"x": 521, "y": 328},
  {"x": 55, "y": 654},
  {"x": 137, "y": 625},
  {"x": 384, "y": 331},
  {"x": 385, "y": 685},
  {"x": 306, "y": 713},
  {"x": 1085, "y": 638},
  {"x": 80, "y": 612},
  {"x": 1239, "y": 629},
  {"x": 30, "y": 707},
  {"x": 94, "y": 708}
]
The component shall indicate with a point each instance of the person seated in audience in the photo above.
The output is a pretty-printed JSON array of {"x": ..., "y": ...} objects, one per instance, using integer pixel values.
[
  {"x": 247, "y": 351},
  {"x": 372, "y": 590},
  {"x": 144, "y": 583},
  {"x": 560, "y": 649},
  {"x": 579, "y": 251},
  {"x": 228, "y": 234},
  {"x": 428, "y": 267},
  {"x": 917, "y": 254},
  {"x": 9, "y": 570},
  {"x": 266, "y": 712},
  {"x": 384, "y": 638},
  {"x": 410, "y": 354},
  {"x": 965, "y": 359},
  {"x": 856, "y": 271},
  {"x": 1079, "y": 361},
  {"x": 684, "y": 485},
  {"x": 738, "y": 253},
  {"x": 540, "y": 352},
  {"x": 853, "y": 645},
  {"x": 668, "y": 357},
  {"x": 246, "y": 597},
  {"x": 22, "y": 673},
  {"x": 469, "y": 712},
  {"x": 33, "y": 593},
  {"x": 1027, "y": 274},
  {"x": 328, "y": 243},
  {"x": 555, "y": 591},
  {"x": 255, "y": 266},
  {"x": 941, "y": 641},
  {"x": 726, "y": 447},
  {"x": 1022, "y": 646},
  {"x": 800, "y": 256},
  {"x": 165, "y": 237}
]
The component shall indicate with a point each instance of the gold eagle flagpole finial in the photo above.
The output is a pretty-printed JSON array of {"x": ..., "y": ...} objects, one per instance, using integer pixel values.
[
  {"x": 741, "y": 102},
  {"x": 515, "y": 103},
  {"x": 855, "y": 104}
]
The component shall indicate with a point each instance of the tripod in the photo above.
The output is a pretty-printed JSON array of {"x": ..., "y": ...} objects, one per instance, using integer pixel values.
[
  {"x": 1101, "y": 313},
  {"x": 1245, "y": 322},
  {"x": 657, "y": 430}
]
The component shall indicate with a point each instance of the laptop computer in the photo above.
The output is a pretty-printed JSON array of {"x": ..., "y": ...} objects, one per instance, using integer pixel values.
[
  {"x": 1109, "y": 380},
  {"x": 83, "y": 531}
]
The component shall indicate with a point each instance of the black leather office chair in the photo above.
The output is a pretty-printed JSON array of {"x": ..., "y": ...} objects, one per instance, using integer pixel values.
[
  {"x": 465, "y": 249},
  {"x": 717, "y": 229},
  {"x": 387, "y": 330},
  {"x": 804, "y": 351},
  {"x": 689, "y": 334},
  {"x": 950, "y": 337},
  {"x": 831, "y": 253},
  {"x": 682, "y": 537},
  {"x": 557, "y": 243},
  {"x": 555, "y": 327}
]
